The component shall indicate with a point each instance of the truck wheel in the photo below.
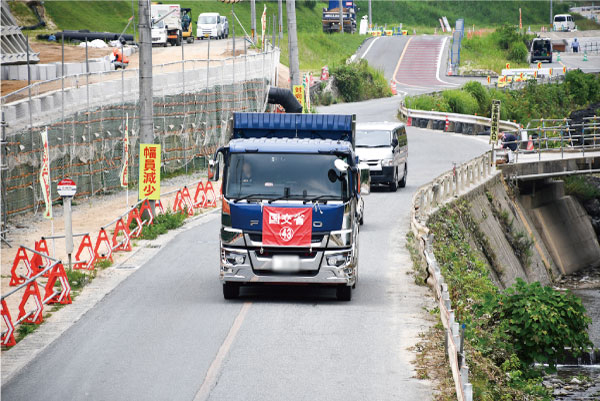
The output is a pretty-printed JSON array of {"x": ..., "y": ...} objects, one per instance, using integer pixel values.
[
  {"x": 343, "y": 292},
  {"x": 165, "y": 44},
  {"x": 178, "y": 40},
  {"x": 231, "y": 290},
  {"x": 403, "y": 180}
]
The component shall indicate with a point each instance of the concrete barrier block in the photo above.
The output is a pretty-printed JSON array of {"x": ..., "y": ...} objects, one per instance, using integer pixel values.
[
  {"x": 73, "y": 68},
  {"x": 58, "y": 67},
  {"x": 10, "y": 114},
  {"x": 36, "y": 106},
  {"x": 4, "y": 72},
  {"x": 96, "y": 66},
  {"x": 47, "y": 103},
  {"x": 22, "y": 110},
  {"x": 22, "y": 72}
]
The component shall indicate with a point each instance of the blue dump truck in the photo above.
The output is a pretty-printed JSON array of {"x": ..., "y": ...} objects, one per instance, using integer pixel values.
[
  {"x": 292, "y": 204},
  {"x": 331, "y": 16}
]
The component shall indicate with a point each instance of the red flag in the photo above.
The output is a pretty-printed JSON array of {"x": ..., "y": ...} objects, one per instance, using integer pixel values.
[{"x": 289, "y": 226}]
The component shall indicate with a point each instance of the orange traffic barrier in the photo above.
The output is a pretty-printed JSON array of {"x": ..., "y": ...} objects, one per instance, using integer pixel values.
[
  {"x": 32, "y": 289},
  {"x": 21, "y": 256},
  {"x": 120, "y": 227},
  {"x": 103, "y": 239},
  {"x": 8, "y": 339},
  {"x": 85, "y": 245},
  {"x": 64, "y": 297},
  {"x": 146, "y": 208},
  {"x": 134, "y": 214},
  {"x": 200, "y": 192},
  {"x": 211, "y": 201},
  {"x": 37, "y": 263}
]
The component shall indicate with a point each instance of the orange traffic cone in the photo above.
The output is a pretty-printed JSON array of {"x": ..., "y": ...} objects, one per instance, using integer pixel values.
[
  {"x": 393, "y": 87},
  {"x": 530, "y": 144}
]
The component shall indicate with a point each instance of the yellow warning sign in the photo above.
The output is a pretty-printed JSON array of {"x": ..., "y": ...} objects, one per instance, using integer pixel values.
[
  {"x": 149, "y": 179},
  {"x": 299, "y": 94}
]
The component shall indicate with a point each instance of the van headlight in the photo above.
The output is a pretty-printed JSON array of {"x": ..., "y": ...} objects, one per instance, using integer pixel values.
[
  {"x": 339, "y": 259},
  {"x": 387, "y": 162},
  {"x": 233, "y": 258}
]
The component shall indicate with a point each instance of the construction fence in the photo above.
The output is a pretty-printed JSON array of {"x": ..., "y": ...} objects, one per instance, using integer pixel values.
[{"x": 193, "y": 101}]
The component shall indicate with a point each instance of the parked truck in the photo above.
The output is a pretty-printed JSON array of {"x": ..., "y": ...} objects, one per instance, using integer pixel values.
[
  {"x": 291, "y": 201},
  {"x": 166, "y": 24},
  {"x": 331, "y": 16}
]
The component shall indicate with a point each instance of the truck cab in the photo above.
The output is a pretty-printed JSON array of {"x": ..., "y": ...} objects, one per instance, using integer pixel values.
[
  {"x": 166, "y": 24},
  {"x": 291, "y": 202},
  {"x": 331, "y": 16}
]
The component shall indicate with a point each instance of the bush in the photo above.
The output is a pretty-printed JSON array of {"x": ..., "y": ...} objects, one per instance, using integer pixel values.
[
  {"x": 359, "y": 81},
  {"x": 540, "y": 322},
  {"x": 460, "y": 101},
  {"x": 481, "y": 94},
  {"x": 507, "y": 35},
  {"x": 518, "y": 52}
]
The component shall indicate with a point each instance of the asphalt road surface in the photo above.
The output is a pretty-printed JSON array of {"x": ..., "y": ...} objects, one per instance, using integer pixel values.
[{"x": 167, "y": 333}]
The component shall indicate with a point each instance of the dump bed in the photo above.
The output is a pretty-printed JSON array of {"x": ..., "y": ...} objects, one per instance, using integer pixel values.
[{"x": 338, "y": 127}]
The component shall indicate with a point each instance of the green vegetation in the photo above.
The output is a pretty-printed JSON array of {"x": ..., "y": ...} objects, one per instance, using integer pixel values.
[
  {"x": 162, "y": 223},
  {"x": 480, "y": 13},
  {"x": 103, "y": 264},
  {"x": 492, "y": 50},
  {"x": 584, "y": 24},
  {"x": 318, "y": 49},
  {"x": 578, "y": 186},
  {"x": 505, "y": 331},
  {"x": 358, "y": 81},
  {"x": 532, "y": 102}
]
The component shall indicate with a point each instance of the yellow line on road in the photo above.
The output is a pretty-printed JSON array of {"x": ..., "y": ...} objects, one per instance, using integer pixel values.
[{"x": 214, "y": 369}]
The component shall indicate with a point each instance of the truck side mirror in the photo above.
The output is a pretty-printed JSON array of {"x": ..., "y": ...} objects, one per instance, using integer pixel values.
[{"x": 213, "y": 170}]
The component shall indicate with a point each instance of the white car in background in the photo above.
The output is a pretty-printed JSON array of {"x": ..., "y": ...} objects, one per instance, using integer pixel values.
[{"x": 209, "y": 25}]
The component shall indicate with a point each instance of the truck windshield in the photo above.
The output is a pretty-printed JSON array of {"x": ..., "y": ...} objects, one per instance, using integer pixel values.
[
  {"x": 159, "y": 25},
  {"x": 284, "y": 176},
  {"x": 373, "y": 139},
  {"x": 207, "y": 19}
]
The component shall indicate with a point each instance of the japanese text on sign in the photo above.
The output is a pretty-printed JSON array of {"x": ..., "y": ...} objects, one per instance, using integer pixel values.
[
  {"x": 287, "y": 226},
  {"x": 149, "y": 179},
  {"x": 495, "y": 120},
  {"x": 299, "y": 94}
]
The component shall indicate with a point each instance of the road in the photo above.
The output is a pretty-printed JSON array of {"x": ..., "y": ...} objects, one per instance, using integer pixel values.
[{"x": 167, "y": 333}]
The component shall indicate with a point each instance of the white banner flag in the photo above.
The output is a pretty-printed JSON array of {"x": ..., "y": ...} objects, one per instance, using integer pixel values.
[
  {"x": 45, "y": 175},
  {"x": 263, "y": 23},
  {"x": 124, "y": 177}
]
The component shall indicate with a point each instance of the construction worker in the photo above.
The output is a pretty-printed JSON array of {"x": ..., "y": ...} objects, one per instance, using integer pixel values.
[
  {"x": 575, "y": 46},
  {"x": 185, "y": 21},
  {"x": 119, "y": 60}
]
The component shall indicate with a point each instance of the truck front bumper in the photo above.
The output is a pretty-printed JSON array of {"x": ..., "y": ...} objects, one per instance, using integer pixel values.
[{"x": 309, "y": 273}]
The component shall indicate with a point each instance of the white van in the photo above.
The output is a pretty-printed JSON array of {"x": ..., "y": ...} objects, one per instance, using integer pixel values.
[
  {"x": 209, "y": 25},
  {"x": 563, "y": 23},
  {"x": 383, "y": 146}
]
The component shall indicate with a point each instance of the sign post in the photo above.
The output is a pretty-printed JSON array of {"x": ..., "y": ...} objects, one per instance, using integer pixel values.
[
  {"x": 494, "y": 124},
  {"x": 67, "y": 189}
]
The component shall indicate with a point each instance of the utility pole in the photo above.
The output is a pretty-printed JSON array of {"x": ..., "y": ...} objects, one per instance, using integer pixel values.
[
  {"x": 370, "y": 16},
  {"x": 551, "y": 19},
  {"x": 341, "y": 16},
  {"x": 279, "y": 8},
  {"x": 253, "y": 22},
  {"x": 290, "y": 6},
  {"x": 145, "y": 77}
]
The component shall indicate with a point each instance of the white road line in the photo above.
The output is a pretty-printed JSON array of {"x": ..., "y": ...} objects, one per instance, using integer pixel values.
[
  {"x": 214, "y": 369},
  {"x": 439, "y": 61},
  {"x": 369, "y": 48}
]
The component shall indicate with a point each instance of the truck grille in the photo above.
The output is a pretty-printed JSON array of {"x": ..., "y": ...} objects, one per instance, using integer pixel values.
[{"x": 316, "y": 237}]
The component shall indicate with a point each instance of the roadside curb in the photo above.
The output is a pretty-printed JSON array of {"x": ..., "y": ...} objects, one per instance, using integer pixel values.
[{"x": 22, "y": 354}]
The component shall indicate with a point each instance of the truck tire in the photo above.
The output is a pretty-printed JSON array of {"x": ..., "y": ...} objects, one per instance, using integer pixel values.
[
  {"x": 343, "y": 292},
  {"x": 178, "y": 40},
  {"x": 231, "y": 290},
  {"x": 403, "y": 180},
  {"x": 165, "y": 44}
]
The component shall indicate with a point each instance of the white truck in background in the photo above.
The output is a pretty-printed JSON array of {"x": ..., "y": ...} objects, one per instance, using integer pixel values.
[{"x": 166, "y": 24}]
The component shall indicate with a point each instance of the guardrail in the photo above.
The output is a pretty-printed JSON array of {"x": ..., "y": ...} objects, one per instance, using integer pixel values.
[
  {"x": 426, "y": 200},
  {"x": 41, "y": 264},
  {"x": 407, "y": 114},
  {"x": 554, "y": 138}
]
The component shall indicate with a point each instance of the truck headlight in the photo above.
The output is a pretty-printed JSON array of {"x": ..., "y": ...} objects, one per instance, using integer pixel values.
[
  {"x": 387, "y": 162},
  {"x": 339, "y": 259},
  {"x": 232, "y": 257}
]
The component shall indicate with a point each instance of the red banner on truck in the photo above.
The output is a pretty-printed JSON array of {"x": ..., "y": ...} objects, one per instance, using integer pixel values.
[{"x": 287, "y": 226}]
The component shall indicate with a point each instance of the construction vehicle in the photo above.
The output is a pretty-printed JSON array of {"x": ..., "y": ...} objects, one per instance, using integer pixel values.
[
  {"x": 331, "y": 16},
  {"x": 187, "y": 27},
  {"x": 291, "y": 207},
  {"x": 166, "y": 24}
]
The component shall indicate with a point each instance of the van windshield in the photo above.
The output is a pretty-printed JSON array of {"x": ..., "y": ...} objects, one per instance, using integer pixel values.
[
  {"x": 284, "y": 176},
  {"x": 373, "y": 138},
  {"x": 207, "y": 19}
]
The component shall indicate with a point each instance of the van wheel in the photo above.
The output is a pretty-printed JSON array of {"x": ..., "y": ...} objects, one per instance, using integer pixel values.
[
  {"x": 231, "y": 290},
  {"x": 403, "y": 180},
  {"x": 394, "y": 184},
  {"x": 343, "y": 292}
]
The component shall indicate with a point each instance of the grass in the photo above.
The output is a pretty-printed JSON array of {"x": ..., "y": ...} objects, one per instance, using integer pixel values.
[
  {"x": 163, "y": 223},
  {"x": 483, "y": 52},
  {"x": 579, "y": 187},
  {"x": 584, "y": 24}
]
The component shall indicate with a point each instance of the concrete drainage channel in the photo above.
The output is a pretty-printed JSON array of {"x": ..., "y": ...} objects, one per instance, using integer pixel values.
[{"x": 427, "y": 199}]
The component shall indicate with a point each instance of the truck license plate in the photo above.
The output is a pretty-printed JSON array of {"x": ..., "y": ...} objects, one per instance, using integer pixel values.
[{"x": 286, "y": 263}]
